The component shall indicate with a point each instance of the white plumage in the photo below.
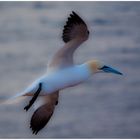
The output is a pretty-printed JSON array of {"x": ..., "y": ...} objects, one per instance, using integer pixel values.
[
  {"x": 61, "y": 73},
  {"x": 60, "y": 79}
]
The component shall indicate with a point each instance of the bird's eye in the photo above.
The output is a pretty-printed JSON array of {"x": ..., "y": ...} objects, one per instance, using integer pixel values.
[{"x": 104, "y": 67}]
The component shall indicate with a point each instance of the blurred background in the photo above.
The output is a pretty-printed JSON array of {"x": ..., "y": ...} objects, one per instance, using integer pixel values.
[{"x": 107, "y": 105}]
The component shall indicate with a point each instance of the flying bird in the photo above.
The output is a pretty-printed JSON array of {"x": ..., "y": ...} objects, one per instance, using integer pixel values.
[{"x": 61, "y": 73}]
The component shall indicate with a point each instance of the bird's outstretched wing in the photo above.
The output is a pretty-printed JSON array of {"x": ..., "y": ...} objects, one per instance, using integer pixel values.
[
  {"x": 75, "y": 32},
  {"x": 75, "y": 28},
  {"x": 43, "y": 113}
]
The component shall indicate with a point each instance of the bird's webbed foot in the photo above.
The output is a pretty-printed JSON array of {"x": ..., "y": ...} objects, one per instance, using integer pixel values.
[{"x": 31, "y": 102}]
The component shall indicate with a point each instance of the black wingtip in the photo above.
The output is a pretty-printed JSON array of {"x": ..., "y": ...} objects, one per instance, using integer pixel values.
[
  {"x": 36, "y": 128},
  {"x": 40, "y": 118},
  {"x": 74, "y": 13},
  {"x": 73, "y": 19}
]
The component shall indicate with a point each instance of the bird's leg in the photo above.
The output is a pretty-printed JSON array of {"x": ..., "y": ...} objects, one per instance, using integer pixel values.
[
  {"x": 56, "y": 103},
  {"x": 34, "y": 98},
  {"x": 57, "y": 96}
]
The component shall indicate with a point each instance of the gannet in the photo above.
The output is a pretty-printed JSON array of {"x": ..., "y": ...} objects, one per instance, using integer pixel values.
[{"x": 61, "y": 73}]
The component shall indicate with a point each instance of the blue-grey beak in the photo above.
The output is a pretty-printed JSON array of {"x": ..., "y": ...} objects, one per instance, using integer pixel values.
[{"x": 110, "y": 70}]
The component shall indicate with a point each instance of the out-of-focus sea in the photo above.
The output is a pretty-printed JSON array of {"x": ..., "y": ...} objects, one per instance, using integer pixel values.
[{"x": 107, "y": 105}]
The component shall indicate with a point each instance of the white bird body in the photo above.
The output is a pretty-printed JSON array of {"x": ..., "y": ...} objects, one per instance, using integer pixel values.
[
  {"x": 61, "y": 73},
  {"x": 60, "y": 79}
]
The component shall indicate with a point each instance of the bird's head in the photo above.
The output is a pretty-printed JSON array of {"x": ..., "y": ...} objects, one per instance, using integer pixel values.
[{"x": 97, "y": 66}]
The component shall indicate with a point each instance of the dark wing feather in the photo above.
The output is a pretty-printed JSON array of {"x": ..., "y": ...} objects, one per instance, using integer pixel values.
[
  {"x": 43, "y": 114},
  {"x": 75, "y": 27},
  {"x": 41, "y": 117},
  {"x": 75, "y": 32}
]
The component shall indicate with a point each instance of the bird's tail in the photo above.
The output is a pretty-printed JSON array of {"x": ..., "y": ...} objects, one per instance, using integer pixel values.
[{"x": 12, "y": 100}]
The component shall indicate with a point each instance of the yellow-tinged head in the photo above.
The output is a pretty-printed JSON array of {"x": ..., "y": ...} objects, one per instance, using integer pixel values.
[{"x": 96, "y": 66}]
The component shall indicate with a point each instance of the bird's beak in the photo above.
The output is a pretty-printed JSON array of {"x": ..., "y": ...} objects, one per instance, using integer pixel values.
[{"x": 110, "y": 70}]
